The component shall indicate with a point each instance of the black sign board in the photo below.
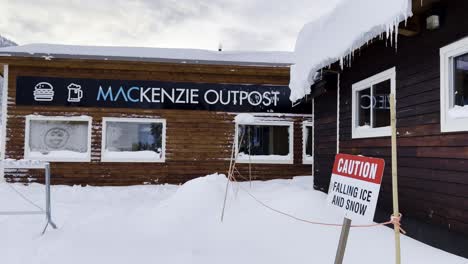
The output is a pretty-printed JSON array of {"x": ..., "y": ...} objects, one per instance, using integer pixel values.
[{"x": 78, "y": 92}]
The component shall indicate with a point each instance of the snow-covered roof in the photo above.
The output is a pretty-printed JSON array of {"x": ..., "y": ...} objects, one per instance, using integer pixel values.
[
  {"x": 350, "y": 25},
  {"x": 50, "y": 51}
]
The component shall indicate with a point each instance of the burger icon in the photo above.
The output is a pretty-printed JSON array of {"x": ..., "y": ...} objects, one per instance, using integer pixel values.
[{"x": 43, "y": 91}]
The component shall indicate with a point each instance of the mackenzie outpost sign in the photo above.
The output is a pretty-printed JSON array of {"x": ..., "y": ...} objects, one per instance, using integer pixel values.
[
  {"x": 355, "y": 185},
  {"x": 49, "y": 91}
]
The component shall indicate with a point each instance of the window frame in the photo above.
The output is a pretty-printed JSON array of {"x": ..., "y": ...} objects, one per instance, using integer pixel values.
[
  {"x": 27, "y": 150},
  {"x": 447, "y": 53},
  {"x": 105, "y": 120},
  {"x": 289, "y": 159},
  {"x": 305, "y": 159},
  {"x": 358, "y": 132}
]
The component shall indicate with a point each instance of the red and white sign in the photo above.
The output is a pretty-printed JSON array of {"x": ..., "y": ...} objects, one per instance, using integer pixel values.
[{"x": 355, "y": 185}]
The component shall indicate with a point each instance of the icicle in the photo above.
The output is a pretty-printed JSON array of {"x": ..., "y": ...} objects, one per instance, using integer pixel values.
[{"x": 396, "y": 36}]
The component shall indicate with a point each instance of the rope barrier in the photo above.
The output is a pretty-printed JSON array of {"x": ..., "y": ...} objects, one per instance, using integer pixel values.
[
  {"x": 24, "y": 197},
  {"x": 394, "y": 220}
]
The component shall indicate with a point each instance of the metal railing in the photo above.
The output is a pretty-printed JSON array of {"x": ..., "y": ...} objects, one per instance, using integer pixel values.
[{"x": 30, "y": 164}]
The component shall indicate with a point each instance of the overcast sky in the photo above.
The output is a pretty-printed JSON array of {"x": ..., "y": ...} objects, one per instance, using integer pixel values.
[{"x": 237, "y": 24}]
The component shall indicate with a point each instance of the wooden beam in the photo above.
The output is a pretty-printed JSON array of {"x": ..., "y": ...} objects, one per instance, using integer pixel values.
[{"x": 412, "y": 27}]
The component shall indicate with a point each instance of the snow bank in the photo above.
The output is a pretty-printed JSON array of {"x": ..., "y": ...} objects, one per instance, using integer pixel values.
[
  {"x": 349, "y": 26},
  {"x": 203, "y": 195},
  {"x": 50, "y": 51},
  {"x": 181, "y": 224}
]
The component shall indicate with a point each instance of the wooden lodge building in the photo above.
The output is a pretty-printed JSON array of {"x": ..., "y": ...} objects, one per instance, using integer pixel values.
[
  {"x": 428, "y": 73},
  {"x": 118, "y": 117}
]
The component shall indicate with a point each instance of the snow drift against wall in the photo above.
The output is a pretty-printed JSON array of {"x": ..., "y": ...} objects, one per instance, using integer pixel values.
[{"x": 334, "y": 37}]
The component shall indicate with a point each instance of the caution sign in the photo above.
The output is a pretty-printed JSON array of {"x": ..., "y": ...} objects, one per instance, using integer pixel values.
[{"x": 355, "y": 185}]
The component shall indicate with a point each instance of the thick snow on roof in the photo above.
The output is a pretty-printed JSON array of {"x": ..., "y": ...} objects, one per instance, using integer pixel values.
[
  {"x": 346, "y": 28},
  {"x": 51, "y": 51}
]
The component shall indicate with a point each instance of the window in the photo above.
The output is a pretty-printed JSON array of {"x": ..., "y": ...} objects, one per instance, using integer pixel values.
[
  {"x": 58, "y": 138},
  {"x": 133, "y": 140},
  {"x": 307, "y": 143},
  {"x": 454, "y": 86},
  {"x": 371, "y": 105},
  {"x": 265, "y": 142}
]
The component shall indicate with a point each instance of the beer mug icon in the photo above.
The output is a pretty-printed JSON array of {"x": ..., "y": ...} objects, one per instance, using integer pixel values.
[{"x": 74, "y": 93}]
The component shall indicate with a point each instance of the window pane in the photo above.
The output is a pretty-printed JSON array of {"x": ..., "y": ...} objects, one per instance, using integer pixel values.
[
  {"x": 49, "y": 135},
  {"x": 381, "y": 104},
  {"x": 364, "y": 107},
  {"x": 132, "y": 136},
  {"x": 460, "y": 80},
  {"x": 309, "y": 133},
  {"x": 264, "y": 140}
]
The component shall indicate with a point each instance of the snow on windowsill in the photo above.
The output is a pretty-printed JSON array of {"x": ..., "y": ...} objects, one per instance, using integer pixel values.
[
  {"x": 458, "y": 112},
  {"x": 337, "y": 35},
  {"x": 364, "y": 127},
  {"x": 132, "y": 156},
  {"x": 22, "y": 163},
  {"x": 282, "y": 159},
  {"x": 59, "y": 155}
]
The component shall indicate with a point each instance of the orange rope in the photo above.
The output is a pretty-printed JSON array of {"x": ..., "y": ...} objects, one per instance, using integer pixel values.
[{"x": 395, "y": 220}]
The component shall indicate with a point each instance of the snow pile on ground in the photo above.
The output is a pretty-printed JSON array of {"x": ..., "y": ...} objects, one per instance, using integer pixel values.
[
  {"x": 349, "y": 26},
  {"x": 181, "y": 224},
  {"x": 50, "y": 51}
]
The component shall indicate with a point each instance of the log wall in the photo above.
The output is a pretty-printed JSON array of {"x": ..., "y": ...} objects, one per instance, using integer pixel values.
[{"x": 197, "y": 142}]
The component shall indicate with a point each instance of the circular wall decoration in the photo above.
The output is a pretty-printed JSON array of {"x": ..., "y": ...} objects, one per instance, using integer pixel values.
[{"x": 56, "y": 138}]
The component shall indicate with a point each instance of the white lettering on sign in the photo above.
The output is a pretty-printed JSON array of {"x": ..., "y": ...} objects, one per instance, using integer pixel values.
[
  {"x": 187, "y": 96},
  {"x": 354, "y": 186},
  {"x": 365, "y": 170}
]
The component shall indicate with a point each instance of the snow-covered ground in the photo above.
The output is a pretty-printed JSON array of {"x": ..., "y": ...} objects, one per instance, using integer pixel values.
[{"x": 181, "y": 224}]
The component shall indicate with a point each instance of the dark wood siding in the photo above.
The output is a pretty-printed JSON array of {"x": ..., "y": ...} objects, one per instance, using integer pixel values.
[
  {"x": 197, "y": 142},
  {"x": 325, "y": 126},
  {"x": 432, "y": 166}
]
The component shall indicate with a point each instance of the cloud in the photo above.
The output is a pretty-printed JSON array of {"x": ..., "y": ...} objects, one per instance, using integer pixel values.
[{"x": 239, "y": 25}]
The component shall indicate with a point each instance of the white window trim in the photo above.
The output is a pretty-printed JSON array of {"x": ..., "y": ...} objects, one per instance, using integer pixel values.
[
  {"x": 4, "y": 113},
  {"x": 104, "y": 158},
  {"x": 448, "y": 123},
  {"x": 27, "y": 151},
  {"x": 358, "y": 132},
  {"x": 305, "y": 159},
  {"x": 289, "y": 159}
]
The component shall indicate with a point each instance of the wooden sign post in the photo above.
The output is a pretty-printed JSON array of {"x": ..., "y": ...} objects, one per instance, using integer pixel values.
[
  {"x": 354, "y": 190},
  {"x": 396, "y": 212}
]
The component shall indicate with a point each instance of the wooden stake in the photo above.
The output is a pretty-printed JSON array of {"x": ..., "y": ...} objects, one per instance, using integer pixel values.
[
  {"x": 396, "y": 212},
  {"x": 343, "y": 240}
]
